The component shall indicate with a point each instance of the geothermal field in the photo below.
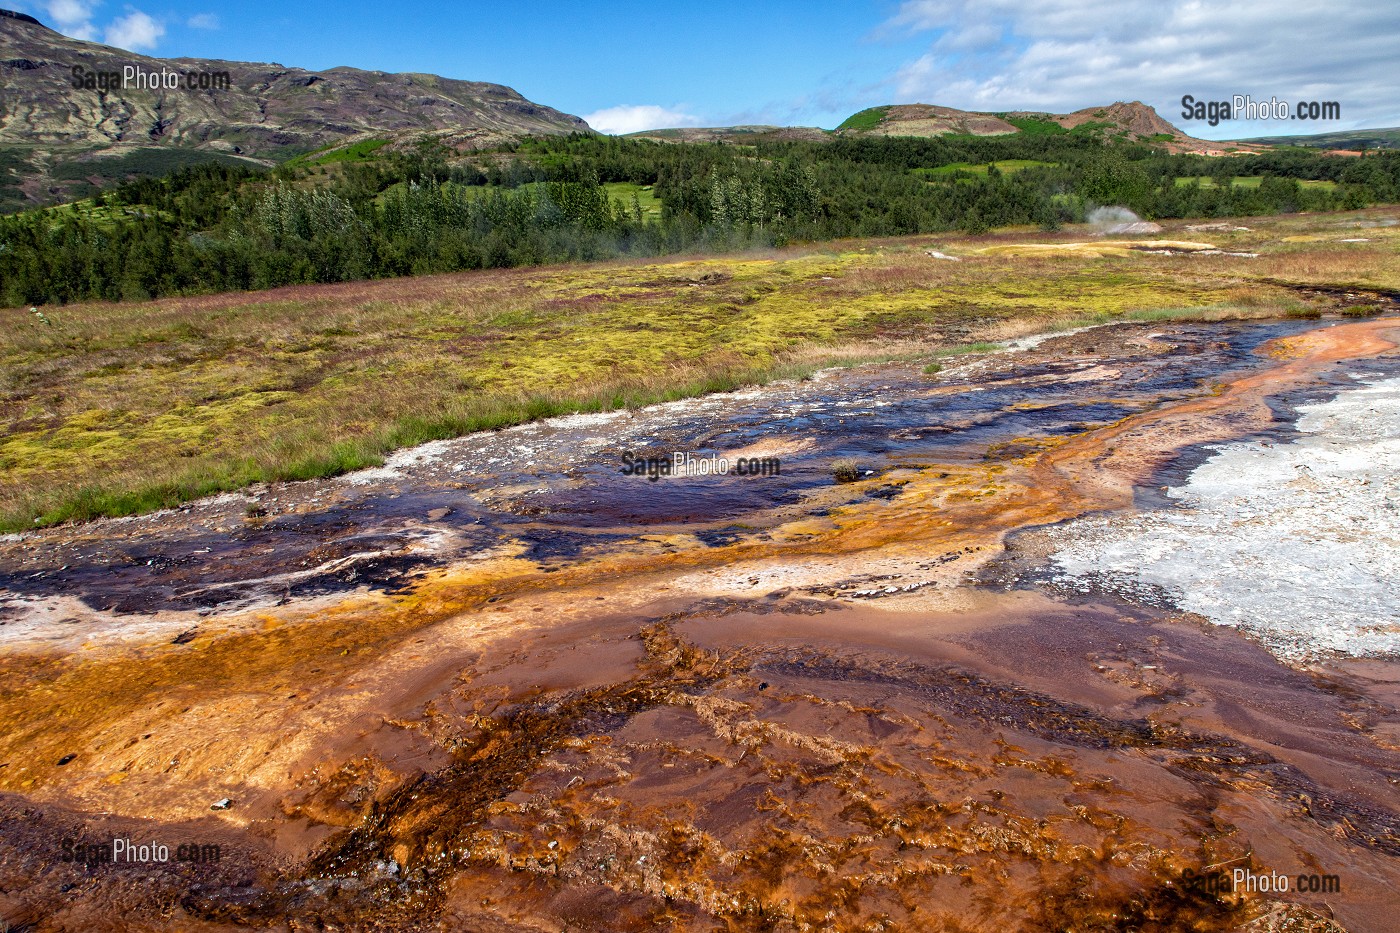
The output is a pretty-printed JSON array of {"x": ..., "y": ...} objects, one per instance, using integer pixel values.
[{"x": 1072, "y": 610}]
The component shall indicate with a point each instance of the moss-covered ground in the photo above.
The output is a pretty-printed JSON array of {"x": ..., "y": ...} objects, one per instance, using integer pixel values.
[{"x": 109, "y": 409}]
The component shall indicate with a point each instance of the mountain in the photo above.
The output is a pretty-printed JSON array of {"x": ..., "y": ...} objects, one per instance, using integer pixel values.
[
  {"x": 1386, "y": 138},
  {"x": 57, "y": 138},
  {"x": 1132, "y": 120}
]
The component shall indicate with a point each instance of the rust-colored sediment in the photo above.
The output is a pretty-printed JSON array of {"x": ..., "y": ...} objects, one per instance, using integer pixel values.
[{"x": 641, "y": 739}]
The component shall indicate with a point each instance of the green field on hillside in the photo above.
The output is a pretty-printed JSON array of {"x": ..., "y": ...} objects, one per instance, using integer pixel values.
[
  {"x": 363, "y": 149},
  {"x": 1035, "y": 126},
  {"x": 330, "y": 155},
  {"x": 865, "y": 119}
]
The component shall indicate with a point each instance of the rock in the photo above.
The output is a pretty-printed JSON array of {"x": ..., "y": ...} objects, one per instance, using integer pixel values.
[{"x": 223, "y": 804}]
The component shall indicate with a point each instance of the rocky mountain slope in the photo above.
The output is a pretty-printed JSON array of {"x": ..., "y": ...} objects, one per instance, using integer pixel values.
[{"x": 235, "y": 109}]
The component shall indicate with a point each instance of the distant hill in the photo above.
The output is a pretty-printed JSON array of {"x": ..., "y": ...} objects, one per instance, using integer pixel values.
[
  {"x": 1132, "y": 120},
  {"x": 58, "y": 139},
  {"x": 709, "y": 134},
  {"x": 1342, "y": 139}
]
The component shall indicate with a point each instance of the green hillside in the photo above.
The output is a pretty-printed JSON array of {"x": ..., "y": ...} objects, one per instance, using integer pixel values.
[{"x": 1388, "y": 138}]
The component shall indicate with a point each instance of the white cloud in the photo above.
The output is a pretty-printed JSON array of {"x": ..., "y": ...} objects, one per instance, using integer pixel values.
[
  {"x": 970, "y": 36},
  {"x": 629, "y": 118},
  {"x": 203, "y": 21},
  {"x": 1066, "y": 54},
  {"x": 135, "y": 32},
  {"x": 73, "y": 17}
]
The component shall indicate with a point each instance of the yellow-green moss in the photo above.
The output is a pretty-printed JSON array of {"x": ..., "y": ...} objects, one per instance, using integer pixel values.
[{"x": 143, "y": 404}]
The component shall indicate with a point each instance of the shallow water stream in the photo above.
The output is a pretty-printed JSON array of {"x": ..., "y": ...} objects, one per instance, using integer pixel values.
[{"x": 553, "y": 491}]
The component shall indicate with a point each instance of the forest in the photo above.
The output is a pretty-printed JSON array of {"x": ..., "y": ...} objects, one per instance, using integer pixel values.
[{"x": 424, "y": 208}]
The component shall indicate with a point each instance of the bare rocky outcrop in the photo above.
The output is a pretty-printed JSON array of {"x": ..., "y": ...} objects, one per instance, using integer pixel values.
[
  {"x": 932, "y": 120},
  {"x": 1134, "y": 116}
]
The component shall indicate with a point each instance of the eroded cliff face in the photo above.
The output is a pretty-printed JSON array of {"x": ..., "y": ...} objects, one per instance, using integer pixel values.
[{"x": 500, "y": 684}]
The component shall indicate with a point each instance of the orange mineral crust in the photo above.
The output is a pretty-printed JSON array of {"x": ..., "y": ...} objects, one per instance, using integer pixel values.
[{"x": 597, "y": 702}]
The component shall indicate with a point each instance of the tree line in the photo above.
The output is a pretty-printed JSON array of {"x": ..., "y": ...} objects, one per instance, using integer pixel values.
[{"x": 216, "y": 227}]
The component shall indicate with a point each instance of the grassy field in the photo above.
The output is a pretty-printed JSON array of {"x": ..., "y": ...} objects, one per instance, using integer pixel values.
[
  {"x": 113, "y": 409},
  {"x": 1249, "y": 181},
  {"x": 1003, "y": 165},
  {"x": 623, "y": 191}
]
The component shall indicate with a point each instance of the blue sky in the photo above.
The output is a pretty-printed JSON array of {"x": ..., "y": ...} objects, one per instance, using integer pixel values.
[{"x": 635, "y": 65}]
